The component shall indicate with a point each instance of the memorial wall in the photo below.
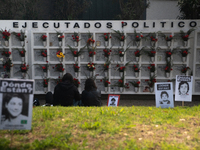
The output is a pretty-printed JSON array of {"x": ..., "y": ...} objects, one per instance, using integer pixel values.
[{"x": 124, "y": 57}]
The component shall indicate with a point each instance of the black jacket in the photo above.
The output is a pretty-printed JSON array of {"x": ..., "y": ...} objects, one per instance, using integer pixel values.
[
  {"x": 64, "y": 94},
  {"x": 91, "y": 98}
]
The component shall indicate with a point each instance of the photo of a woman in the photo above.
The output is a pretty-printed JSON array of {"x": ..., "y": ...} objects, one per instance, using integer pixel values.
[{"x": 15, "y": 109}]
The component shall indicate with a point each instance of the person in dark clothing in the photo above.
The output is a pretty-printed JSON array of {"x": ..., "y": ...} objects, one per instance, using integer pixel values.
[
  {"x": 65, "y": 93},
  {"x": 91, "y": 96}
]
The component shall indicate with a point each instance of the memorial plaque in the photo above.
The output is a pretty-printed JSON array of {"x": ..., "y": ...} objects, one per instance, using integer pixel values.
[
  {"x": 15, "y": 41},
  {"x": 84, "y": 56},
  {"x": 161, "y": 70},
  {"x": 17, "y": 71},
  {"x": 52, "y": 55},
  {"x": 114, "y": 71},
  {"x": 37, "y": 39},
  {"x": 69, "y": 40},
  {"x": 177, "y": 41},
  {"x": 114, "y": 40},
  {"x": 161, "y": 56},
  {"x": 100, "y": 39},
  {"x": 100, "y": 55},
  {"x": 176, "y": 70},
  {"x": 68, "y": 55},
  {"x": 129, "y": 71},
  {"x": 145, "y": 58},
  {"x": 38, "y": 56},
  {"x": 130, "y": 40},
  {"x": 38, "y": 70},
  {"x": 177, "y": 57},
  {"x": 39, "y": 85},
  {"x": 15, "y": 55},
  {"x": 197, "y": 86},
  {"x": 99, "y": 69},
  {"x": 197, "y": 72},
  {"x": 84, "y": 38},
  {"x": 70, "y": 69},
  {"x": 130, "y": 55},
  {"x": 145, "y": 72},
  {"x": 53, "y": 38}
]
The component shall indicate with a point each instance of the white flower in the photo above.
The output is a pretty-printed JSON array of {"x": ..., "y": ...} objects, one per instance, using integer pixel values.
[
  {"x": 58, "y": 36},
  {"x": 123, "y": 53}
]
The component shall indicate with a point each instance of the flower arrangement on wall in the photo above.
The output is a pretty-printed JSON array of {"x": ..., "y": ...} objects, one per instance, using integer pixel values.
[
  {"x": 20, "y": 36},
  {"x": 75, "y": 38},
  {"x": 6, "y": 34},
  {"x": 7, "y": 64},
  {"x": 45, "y": 82},
  {"x": 151, "y": 54},
  {"x": 106, "y": 36},
  {"x": 120, "y": 35},
  {"x": 76, "y": 82},
  {"x": 168, "y": 68},
  {"x": 151, "y": 81},
  {"x": 107, "y": 52},
  {"x": 105, "y": 81},
  {"x": 43, "y": 37},
  {"x": 59, "y": 67},
  {"x": 22, "y": 52},
  {"x": 152, "y": 68},
  {"x": 90, "y": 40},
  {"x": 106, "y": 65},
  {"x": 185, "y": 36},
  {"x": 91, "y": 66},
  {"x": 24, "y": 68},
  {"x": 185, "y": 69},
  {"x": 60, "y": 36},
  {"x": 6, "y": 53},
  {"x": 76, "y": 68}
]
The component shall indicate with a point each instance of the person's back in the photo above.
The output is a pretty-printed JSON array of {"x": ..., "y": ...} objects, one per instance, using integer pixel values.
[
  {"x": 65, "y": 92},
  {"x": 91, "y": 96}
]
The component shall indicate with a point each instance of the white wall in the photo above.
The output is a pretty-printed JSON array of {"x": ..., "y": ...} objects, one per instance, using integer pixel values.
[{"x": 162, "y": 9}]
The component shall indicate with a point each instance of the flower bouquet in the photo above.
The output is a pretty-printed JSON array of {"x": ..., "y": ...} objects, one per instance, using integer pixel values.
[
  {"x": 106, "y": 37},
  {"x": 105, "y": 81},
  {"x": 136, "y": 70},
  {"x": 168, "y": 68},
  {"x": 24, "y": 68},
  {"x": 45, "y": 83},
  {"x": 44, "y": 54},
  {"x": 120, "y": 84},
  {"x": 20, "y": 36},
  {"x": 75, "y": 52},
  {"x": 185, "y": 69},
  {"x": 76, "y": 82},
  {"x": 137, "y": 54},
  {"x": 44, "y": 39},
  {"x": 185, "y": 36},
  {"x": 6, "y": 36},
  {"x": 75, "y": 38},
  {"x": 152, "y": 69},
  {"x": 22, "y": 52},
  {"x": 153, "y": 39},
  {"x": 60, "y": 55},
  {"x": 91, "y": 52},
  {"x": 184, "y": 53},
  {"x": 168, "y": 55},
  {"x": 136, "y": 85},
  {"x": 59, "y": 67},
  {"x": 151, "y": 81},
  {"x": 107, "y": 52},
  {"x": 7, "y": 65},
  {"x": 76, "y": 68},
  {"x": 90, "y": 40},
  {"x": 6, "y": 53},
  {"x": 120, "y": 36},
  {"x": 151, "y": 54},
  {"x": 91, "y": 68},
  {"x": 138, "y": 37}
]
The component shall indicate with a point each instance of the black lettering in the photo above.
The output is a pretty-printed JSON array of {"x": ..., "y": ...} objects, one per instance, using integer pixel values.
[
  {"x": 97, "y": 25},
  {"x": 86, "y": 25},
  {"x": 193, "y": 24},
  {"x": 163, "y": 24},
  {"x": 172, "y": 24},
  {"x": 181, "y": 24},
  {"x": 45, "y": 24},
  {"x": 24, "y": 25},
  {"x": 67, "y": 24},
  {"x": 109, "y": 25},
  {"x": 153, "y": 24},
  {"x": 145, "y": 25},
  {"x": 135, "y": 24},
  {"x": 58, "y": 25},
  {"x": 124, "y": 24},
  {"x": 35, "y": 25},
  {"x": 76, "y": 25},
  {"x": 15, "y": 25}
]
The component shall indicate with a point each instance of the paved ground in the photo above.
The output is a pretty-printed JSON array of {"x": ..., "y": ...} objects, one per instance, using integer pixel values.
[{"x": 136, "y": 100}]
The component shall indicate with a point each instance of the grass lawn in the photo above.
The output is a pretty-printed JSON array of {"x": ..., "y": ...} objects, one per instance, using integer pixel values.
[{"x": 106, "y": 128}]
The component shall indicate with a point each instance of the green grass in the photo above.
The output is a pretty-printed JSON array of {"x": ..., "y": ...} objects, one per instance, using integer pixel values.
[{"x": 113, "y": 128}]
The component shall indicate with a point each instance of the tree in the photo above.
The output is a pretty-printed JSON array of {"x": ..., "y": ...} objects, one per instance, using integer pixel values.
[{"x": 189, "y": 9}]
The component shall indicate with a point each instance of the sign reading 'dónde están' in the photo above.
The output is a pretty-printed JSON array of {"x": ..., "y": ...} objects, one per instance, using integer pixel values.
[{"x": 16, "y": 101}]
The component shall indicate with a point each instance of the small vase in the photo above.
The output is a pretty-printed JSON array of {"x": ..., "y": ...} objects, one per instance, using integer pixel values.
[
  {"x": 106, "y": 89},
  {"x": 168, "y": 58},
  {"x": 136, "y": 74},
  {"x": 137, "y": 59},
  {"x": 45, "y": 59},
  {"x": 136, "y": 89},
  {"x": 44, "y": 43},
  {"x": 75, "y": 59},
  {"x": 45, "y": 74},
  {"x": 152, "y": 74},
  {"x": 22, "y": 43},
  {"x": 91, "y": 59},
  {"x": 184, "y": 59},
  {"x": 151, "y": 89},
  {"x": 121, "y": 59},
  {"x": 106, "y": 43},
  {"x": 153, "y": 43},
  {"x": 23, "y": 59},
  {"x": 75, "y": 44},
  {"x": 76, "y": 74},
  {"x": 168, "y": 43},
  {"x": 45, "y": 89},
  {"x": 91, "y": 44},
  {"x": 137, "y": 43},
  {"x": 167, "y": 74},
  {"x": 60, "y": 43},
  {"x": 106, "y": 73},
  {"x": 122, "y": 43},
  {"x": 152, "y": 59},
  {"x": 6, "y": 43},
  {"x": 185, "y": 43},
  {"x": 121, "y": 74},
  {"x": 23, "y": 75},
  {"x": 91, "y": 73},
  {"x": 61, "y": 74},
  {"x": 60, "y": 59},
  {"x": 121, "y": 89}
]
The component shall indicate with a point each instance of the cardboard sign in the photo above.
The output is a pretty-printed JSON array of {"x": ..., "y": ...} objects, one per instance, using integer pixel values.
[
  {"x": 16, "y": 103},
  {"x": 113, "y": 100},
  {"x": 183, "y": 88},
  {"x": 164, "y": 94}
]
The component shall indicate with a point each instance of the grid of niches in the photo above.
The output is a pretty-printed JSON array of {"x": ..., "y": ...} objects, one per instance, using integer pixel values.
[
  {"x": 15, "y": 46},
  {"x": 52, "y": 46}
]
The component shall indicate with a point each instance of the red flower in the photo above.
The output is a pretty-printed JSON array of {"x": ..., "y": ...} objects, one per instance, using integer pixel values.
[{"x": 18, "y": 34}]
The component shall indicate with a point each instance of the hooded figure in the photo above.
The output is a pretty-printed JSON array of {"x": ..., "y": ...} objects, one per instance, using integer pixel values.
[{"x": 65, "y": 92}]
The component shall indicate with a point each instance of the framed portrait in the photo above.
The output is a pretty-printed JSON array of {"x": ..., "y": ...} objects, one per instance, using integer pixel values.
[{"x": 113, "y": 100}]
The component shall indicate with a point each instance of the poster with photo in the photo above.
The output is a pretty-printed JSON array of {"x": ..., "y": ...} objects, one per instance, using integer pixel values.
[
  {"x": 183, "y": 88},
  {"x": 16, "y": 103},
  {"x": 113, "y": 100},
  {"x": 164, "y": 94}
]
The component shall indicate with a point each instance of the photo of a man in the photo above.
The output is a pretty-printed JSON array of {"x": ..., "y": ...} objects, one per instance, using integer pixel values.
[{"x": 164, "y": 98}]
